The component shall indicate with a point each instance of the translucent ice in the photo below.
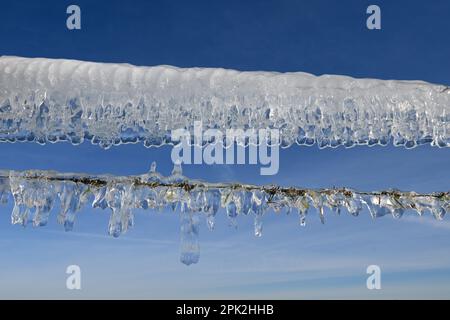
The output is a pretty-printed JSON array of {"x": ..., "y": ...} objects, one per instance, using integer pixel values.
[
  {"x": 36, "y": 192},
  {"x": 190, "y": 248},
  {"x": 46, "y": 100}
]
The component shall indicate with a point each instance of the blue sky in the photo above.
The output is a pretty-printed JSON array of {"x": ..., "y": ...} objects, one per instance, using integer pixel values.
[{"x": 319, "y": 261}]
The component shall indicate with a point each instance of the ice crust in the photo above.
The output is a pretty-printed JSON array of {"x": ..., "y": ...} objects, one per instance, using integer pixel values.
[
  {"x": 36, "y": 193},
  {"x": 49, "y": 100}
]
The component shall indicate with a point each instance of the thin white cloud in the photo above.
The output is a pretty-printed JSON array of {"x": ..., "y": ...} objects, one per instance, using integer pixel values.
[{"x": 429, "y": 221}]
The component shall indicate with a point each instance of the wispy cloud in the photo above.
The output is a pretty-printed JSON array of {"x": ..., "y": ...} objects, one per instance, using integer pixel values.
[{"x": 428, "y": 221}]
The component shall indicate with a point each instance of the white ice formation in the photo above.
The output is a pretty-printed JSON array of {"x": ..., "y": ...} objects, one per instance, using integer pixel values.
[
  {"x": 47, "y": 100},
  {"x": 35, "y": 193}
]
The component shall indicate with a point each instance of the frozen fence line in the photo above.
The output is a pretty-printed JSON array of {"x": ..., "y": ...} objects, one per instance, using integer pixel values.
[
  {"x": 35, "y": 193},
  {"x": 50, "y": 100}
]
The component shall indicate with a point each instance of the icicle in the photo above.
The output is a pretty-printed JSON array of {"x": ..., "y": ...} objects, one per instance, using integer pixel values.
[
  {"x": 4, "y": 190},
  {"x": 152, "y": 175},
  {"x": 232, "y": 213},
  {"x": 99, "y": 199},
  {"x": 177, "y": 173},
  {"x": 353, "y": 205},
  {"x": 72, "y": 197},
  {"x": 20, "y": 214},
  {"x": 212, "y": 205},
  {"x": 190, "y": 248},
  {"x": 42, "y": 212},
  {"x": 118, "y": 199},
  {"x": 302, "y": 206},
  {"x": 258, "y": 225},
  {"x": 258, "y": 206}
]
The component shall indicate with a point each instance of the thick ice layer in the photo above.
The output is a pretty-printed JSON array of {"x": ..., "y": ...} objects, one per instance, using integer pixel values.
[
  {"x": 36, "y": 192},
  {"x": 50, "y": 100}
]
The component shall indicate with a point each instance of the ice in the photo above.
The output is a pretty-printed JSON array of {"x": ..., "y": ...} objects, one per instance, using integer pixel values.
[
  {"x": 72, "y": 197},
  {"x": 48, "y": 100},
  {"x": 190, "y": 248},
  {"x": 119, "y": 197},
  {"x": 31, "y": 196},
  {"x": 35, "y": 193}
]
